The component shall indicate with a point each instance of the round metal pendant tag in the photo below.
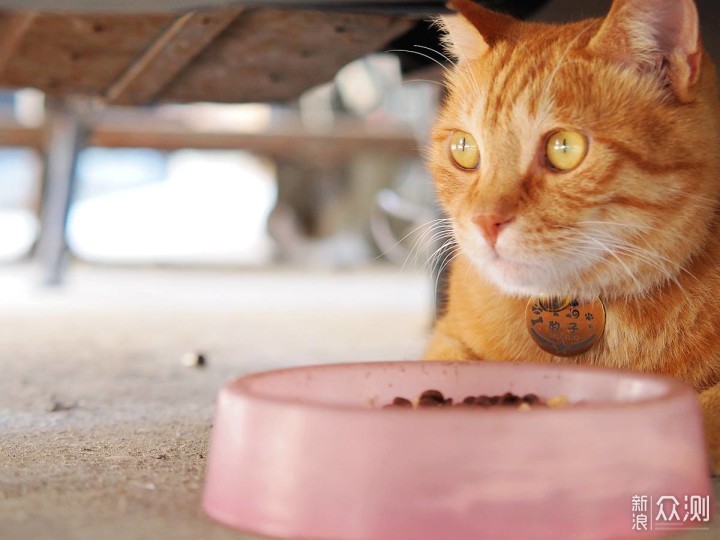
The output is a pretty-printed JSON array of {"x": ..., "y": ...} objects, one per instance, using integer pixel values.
[{"x": 565, "y": 326}]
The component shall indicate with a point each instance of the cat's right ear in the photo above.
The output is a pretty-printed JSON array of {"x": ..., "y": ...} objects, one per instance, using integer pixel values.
[
  {"x": 659, "y": 36},
  {"x": 474, "y": 30}
]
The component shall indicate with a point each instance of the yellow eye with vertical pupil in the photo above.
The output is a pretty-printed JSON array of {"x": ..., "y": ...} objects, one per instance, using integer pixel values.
[
  {"x": 464, "y": 150},
  {"x": 566, "y": 149}
]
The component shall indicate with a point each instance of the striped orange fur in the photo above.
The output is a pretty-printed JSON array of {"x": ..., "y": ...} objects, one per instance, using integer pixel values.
[{"x": 636, "y": 223}]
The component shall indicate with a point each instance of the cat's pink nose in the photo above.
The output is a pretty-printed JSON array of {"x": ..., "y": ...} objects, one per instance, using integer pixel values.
[{"x": 491, "y": 225}]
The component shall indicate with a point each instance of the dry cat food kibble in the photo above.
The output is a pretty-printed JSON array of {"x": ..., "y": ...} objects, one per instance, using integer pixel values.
[{"x": 435, "y": 398}]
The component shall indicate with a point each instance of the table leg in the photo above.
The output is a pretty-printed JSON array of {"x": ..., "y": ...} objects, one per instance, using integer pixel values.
[{"x": 66, "y": 136}]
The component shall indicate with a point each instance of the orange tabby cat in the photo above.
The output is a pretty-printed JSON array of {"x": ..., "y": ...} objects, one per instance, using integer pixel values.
[{"x": 584, "y": 159}]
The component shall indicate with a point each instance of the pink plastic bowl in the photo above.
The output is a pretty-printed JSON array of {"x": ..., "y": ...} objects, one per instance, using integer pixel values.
[{"x": 310, "y": 453}]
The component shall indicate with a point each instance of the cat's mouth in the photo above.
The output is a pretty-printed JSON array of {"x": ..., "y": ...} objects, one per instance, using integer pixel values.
[
  {"x": 508, "y": 273},
  {"x": 524, "y": 273},
  {"x": 511, "y": 274},
  {"x": 525, "y": 278}
]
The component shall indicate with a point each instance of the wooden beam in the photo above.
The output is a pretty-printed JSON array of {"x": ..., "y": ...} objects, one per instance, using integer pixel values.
[
  {"x": 274, "y": 145},
  {"x": 12, "y": 134},
  {"x": 184, "y": 40},
  {"x": 278, "y": 144},
  {"x": 18, "y": 25}
]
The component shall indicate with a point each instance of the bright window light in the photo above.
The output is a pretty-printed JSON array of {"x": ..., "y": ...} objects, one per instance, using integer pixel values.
[{"x": 211, "y": 207}]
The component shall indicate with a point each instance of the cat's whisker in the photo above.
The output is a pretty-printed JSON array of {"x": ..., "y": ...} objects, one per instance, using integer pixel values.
[
  {"x": 639, "y": 230},
  {"x": 432, "y": 235},
  {"x": 408, "y": 81},
  {"x": 643, "y": 230},
  {"x": 576, "y": 250},
  {"x": 452, "y": 255},
  {"x": 616, "y": 224},
  {"x": 449, "y": 245},
  {"x": 438, "y": 62},
  {"x": 651, "y": 257},
  {"x": 449, "y": 61},
  {"x": 580, "y": 251},
  {"x": 439, "y": 233},
  {"x": 610, "y": 251},
  {"x": 441, "y": 264},
  {"x": 648, "y": 253},
  {"x": 711, "y": 203},
  {"x": 448, "y": 252},
  {"x": 645, "y": 257},
  {"x": 666, "y": 266},
  {"x": 438, "y": 228},
  {"x": 429, "y": 224},
  {"x": 616, "y": 241},
  {"x": 671, "y": 274}
]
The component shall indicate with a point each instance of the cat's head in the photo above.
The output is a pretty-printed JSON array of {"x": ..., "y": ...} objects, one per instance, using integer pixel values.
[{"x": 579, "y": 158}]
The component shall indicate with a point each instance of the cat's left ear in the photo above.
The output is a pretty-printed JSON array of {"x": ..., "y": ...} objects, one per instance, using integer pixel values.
[
  {"x": 660, "y": 36},
  {"x": 474, "y": 30}
]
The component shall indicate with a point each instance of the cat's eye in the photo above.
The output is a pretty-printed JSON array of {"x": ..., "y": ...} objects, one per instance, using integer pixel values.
[
  {"x": 464, "y": 150},
  {"x": 566, "y": 149}
]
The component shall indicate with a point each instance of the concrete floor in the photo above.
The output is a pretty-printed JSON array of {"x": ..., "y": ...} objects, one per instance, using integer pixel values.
[{"x": 103, "y": 431}]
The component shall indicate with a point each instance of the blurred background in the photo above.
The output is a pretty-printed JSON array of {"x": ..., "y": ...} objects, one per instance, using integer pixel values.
[{"x": 232, "y": 185}]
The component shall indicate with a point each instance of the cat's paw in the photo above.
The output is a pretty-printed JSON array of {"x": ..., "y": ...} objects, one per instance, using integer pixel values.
[{"x": 443, "y": 346}]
